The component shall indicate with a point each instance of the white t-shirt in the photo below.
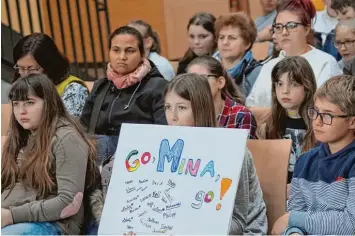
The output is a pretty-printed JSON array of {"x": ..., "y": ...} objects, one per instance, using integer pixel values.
[
  {"x": 163, "y": 65},
  {"x": 324, "y": 67},
  {"x": 324, "y": 24}
]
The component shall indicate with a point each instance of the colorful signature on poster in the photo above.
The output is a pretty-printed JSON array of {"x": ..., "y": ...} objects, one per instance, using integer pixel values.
[{"x": 163, "y": 202}]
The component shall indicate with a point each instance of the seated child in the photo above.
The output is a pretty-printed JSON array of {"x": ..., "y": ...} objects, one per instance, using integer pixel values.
[
  {"x": 322, "y": 199},
  {"x": 293, "y": 87},
  {"x": 188, "y": 102},
  {"x": 47, "y": 164}
]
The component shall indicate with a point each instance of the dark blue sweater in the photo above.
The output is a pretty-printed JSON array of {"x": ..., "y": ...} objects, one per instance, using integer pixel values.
[{"x": 322, "y": 199}]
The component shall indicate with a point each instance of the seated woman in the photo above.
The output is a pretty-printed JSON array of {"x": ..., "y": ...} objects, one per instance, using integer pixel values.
[
  {"x": 193, "y": 93},
  {"x": 152, "y": 48},
  {"x": 292, "y": 28},
  {"x": 227, "y": 99},
  {"x": 47, "y": 163},
  {"x": 345, "y": 41},
  {"x": 37, "y": 53},
  {"x": 201, "y": 39},
  {"x": 131, "y": 93},
  {"x": 235, "y": 36}
]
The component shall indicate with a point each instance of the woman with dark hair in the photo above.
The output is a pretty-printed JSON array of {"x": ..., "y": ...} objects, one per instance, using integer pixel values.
[
  {"x": 132, "y": 92},
  {"x": 227, "y": 99},
  {"x": 152, "y": 48},
  {"x": 201, "y": 39},
  {"x": 36, "y": 54}
]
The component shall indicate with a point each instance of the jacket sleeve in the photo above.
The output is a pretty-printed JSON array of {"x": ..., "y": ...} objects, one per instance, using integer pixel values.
[
  {"x": 89, "y": 105},
  {"x": 330, "y": 222},
  {"x": 71, "y": 155},
  {"x": 158, "y": 102}
]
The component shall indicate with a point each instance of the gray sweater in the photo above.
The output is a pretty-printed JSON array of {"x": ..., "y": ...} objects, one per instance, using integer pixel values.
[
  {"x": 249, "y": 213},
  {"x": 69, "y": 156}
]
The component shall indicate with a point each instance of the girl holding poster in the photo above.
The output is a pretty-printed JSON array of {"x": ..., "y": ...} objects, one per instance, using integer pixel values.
[{"x": 189, "y": 102}]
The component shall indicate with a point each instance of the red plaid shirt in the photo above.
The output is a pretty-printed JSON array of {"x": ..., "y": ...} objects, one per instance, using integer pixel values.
[{"x": 235, "y": 115}]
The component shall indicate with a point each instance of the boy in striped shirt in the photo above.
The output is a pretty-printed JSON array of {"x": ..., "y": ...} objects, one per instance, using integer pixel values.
[{"x": 322, "y": 199}]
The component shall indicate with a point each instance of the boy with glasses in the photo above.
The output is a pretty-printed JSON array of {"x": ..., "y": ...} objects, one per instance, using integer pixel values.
[
  {"x": 345, "y": 42},
  {"x": 345, "y": 10},
  {"x": 322, "y": 199}
]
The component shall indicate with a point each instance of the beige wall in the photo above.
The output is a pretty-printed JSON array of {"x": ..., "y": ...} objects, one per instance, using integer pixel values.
[
  {"x": 168, "y": 18},
  {"x": 24, "y": 15},
  {"x": 255, "y": 9}
]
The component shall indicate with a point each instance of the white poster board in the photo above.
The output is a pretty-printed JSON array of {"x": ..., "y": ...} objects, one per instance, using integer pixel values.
[{"x": 173, "y": 180}]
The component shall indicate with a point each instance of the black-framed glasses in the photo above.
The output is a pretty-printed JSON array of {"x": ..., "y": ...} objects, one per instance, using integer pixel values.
[
  {"x": 290, "y": 27},
  {"x": 326, "y": 118},
  {"x": 347, "y": 44}
]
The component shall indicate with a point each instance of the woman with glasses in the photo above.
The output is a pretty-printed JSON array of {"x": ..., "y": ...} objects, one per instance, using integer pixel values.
[
  {"x": 37, "y": 54},
  {"x": 228, "y": 100},
  {"x": 345, "y": 41},
  {"x": 292, "y": 28},
  {"x": 235, "y": 37}
]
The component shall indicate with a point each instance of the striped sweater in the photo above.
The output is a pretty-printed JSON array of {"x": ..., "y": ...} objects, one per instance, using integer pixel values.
[{"x": 322, "y": 199}]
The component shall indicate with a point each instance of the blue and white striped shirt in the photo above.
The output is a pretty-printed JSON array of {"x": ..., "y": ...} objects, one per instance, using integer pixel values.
[{"x": 322, "y": 199}]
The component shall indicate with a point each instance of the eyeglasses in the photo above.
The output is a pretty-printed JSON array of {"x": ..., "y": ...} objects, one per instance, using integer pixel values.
[
  {"x": 210, "y": 75},
  {"x": 326, "y": 118},
  {"x": 290, "y": 27},
  {"x": 24, "y": 69},
  {"x": 347, "y": 44}
]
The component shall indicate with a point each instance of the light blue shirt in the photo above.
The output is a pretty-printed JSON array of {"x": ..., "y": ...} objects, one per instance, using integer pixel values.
[
  {"x": 163, "y": 65},
  {"x": 262, "y": 21}
]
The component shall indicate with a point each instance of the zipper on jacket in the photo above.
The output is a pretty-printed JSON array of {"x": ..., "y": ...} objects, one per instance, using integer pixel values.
[{"x": 113, "y": 103}]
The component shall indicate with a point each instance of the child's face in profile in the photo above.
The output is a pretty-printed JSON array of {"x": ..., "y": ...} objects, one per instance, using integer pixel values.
[
  {"x": 289, "y": 93},
  {"x": 331, "y": 130},
  {"x": 178, "y": 111},
  {"x": 28, "y": 113},
  {"x": 347, "y": 13}
]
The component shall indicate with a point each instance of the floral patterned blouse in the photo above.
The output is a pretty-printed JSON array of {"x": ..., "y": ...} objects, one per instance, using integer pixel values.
[{"x": 74, "y": 97}]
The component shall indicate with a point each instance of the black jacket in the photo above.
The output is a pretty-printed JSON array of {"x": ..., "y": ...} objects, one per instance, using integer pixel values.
[{"x": 142, "y": 103}]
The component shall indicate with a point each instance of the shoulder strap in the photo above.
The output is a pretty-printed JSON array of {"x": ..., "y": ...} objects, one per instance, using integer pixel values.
[{"x": 97, "y": 107}]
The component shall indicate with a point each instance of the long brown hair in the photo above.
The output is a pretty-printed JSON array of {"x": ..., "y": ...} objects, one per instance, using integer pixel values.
[
  {"x": 299, "y": 70},
  {"x": 230, "y": 90},
  {"x": 196, "y": 89},
  {"x": 36, "y": 170}
]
